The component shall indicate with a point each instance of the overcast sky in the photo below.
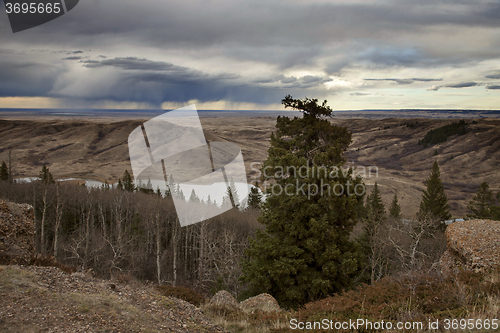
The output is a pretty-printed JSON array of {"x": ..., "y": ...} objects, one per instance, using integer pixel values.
[{"x": 235, "y": 54}]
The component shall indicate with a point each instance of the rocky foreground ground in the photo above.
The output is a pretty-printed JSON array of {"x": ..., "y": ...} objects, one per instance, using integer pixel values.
[{"x": 45, "y": 299}]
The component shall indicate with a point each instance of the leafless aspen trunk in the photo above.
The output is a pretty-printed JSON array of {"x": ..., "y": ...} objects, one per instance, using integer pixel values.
[
  {"x": 59, "y": 212},
  {"x": 37, "y": 223},
  {"x": 175, "y": 242},
  {"x": 158, "y": 244},
  {"x": 87, "y": 218},
  {"x": 44, "y": 217},
  {"x": 103, "y": 219},
  {"x": 201, "y": 253}
]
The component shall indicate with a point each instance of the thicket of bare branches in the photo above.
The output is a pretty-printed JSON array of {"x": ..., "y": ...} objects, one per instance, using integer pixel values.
[
  {"x": 117, "y": 233},
  {"x": 404, "y": 247}
]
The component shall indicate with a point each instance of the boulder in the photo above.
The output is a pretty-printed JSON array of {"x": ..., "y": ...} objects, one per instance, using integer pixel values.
[
  {"x": 223, "y": 299},
  {"x": 473, "y": 245},
  {"x": 262, "y": 302}
]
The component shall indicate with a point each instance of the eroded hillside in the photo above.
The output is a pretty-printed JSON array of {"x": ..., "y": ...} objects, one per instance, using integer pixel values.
[{"x": 98, "y": 150}]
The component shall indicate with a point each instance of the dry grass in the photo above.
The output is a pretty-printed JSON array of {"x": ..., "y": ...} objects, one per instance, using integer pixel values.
[{"x": 238, "y": 321}]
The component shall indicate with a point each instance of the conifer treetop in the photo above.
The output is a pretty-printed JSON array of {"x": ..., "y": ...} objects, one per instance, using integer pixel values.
[{"x": 434, "y": 202}]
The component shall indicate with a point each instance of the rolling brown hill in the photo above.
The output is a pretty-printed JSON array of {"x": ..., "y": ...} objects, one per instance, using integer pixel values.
[{"x": 98, "y": 150}]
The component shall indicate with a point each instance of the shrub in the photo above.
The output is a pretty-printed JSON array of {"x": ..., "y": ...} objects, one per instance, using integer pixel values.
[
  {"x": 183, "y": 293},
  {"x": 432, "y": 296}
]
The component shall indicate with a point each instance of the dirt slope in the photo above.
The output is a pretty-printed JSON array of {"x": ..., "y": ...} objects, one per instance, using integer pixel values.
[
  {"x": 17, "y": 229},
  {"x": 44, "y": 299}
]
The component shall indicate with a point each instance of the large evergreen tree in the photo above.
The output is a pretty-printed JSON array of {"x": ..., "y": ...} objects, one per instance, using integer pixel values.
[
  {"x": 4, "y": 172},
  {"x": 434, "y": 204},
  {"x": 305, "y": 252},
  {"x": 482, "y": 202}
]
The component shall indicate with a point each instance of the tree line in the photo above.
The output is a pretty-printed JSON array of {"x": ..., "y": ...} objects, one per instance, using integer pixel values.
[{"x": 442, "y": 133}]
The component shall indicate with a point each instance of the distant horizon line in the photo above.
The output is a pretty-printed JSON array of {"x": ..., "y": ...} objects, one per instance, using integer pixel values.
[{"x": 249, "y": 110}]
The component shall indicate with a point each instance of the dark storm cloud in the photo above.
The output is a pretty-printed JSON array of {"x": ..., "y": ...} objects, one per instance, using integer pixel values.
[
  {"x": 382, "y": 54},
  {"x": 132, "y": 63},
  {"x": 425, "y": 80},
  {"x": 462, "y": 85},
  {"x": 493, "y": 76},
  {"x": 137, "y": 80},
  {"x": 493, "y": 87},
  {"x": 26, "y": 78},
  {"x": 290, "y": 79},
  {"x": 392, "y": 56},
  {"x": 456, "y": 85},
  {"x": 143, "y": 80},
  {"x": 307, "y": 81},
  {"x": 405, "y": 81},
  {"x": 396, "y": 81},
  {"x": 156, "y": 88},
  {"x": 143, "y": 65},
  {"x": 73, "y": 58}
]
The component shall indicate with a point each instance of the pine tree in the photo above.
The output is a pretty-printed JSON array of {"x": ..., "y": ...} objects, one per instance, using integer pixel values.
[
  {"x": 45, "y": 175},
  {"x": 482, "y": 202},
  {"x": 231, "y": 197},
  {"x": 375, "y": 206},
  {"x": 395, "y": 208},
  {"x": 255, "y": 197},
  {"x": 4, "y": 172},
  {"x": 434, "y": 204},
  {"x": 305, "y": 252},
  {"x": 127, "y": 182},
  {"x": 179, "y": 193},
  {"x": 173, "y": 187},
  {"x": 193, "y": 197}
]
